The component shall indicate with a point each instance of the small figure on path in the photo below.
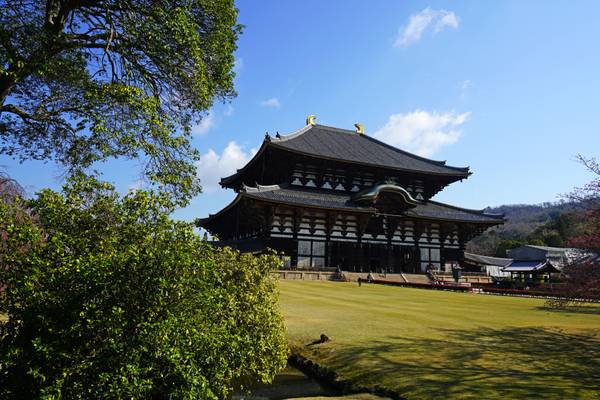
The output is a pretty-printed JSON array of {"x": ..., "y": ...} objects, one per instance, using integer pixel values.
[{"x": 370, "y": 277}]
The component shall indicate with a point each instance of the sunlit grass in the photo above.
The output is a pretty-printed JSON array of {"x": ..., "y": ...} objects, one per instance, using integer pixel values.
[{"x": 431, "y": 344}]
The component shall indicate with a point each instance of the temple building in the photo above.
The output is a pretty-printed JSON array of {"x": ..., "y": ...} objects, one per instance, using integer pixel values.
[{"x": 327, "y": 197}]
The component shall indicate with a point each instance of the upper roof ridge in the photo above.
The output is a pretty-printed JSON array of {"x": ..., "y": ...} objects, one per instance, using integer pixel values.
[
  {"x": 292, "y": 135},
  {"x": 306, "y": 128},
  {"x": 335, "y": 128}
]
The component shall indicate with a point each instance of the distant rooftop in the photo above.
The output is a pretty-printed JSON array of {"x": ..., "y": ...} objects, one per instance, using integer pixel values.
[
  {"x": 548, "y": 248},
  {"x": 531, "y": 266},
  {"x": 487, "y": 260}
]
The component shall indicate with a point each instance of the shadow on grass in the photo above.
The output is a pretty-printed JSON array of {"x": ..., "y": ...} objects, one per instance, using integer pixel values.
[
  {"x": 574, "y": 309},
  {"x": 289, "y": 383},
  {"x": 485, "y": 363}
]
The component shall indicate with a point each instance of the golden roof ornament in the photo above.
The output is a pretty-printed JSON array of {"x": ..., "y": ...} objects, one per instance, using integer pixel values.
[
  {"x": 360, "y": 129},
  {"x": 310, "y": 120}
]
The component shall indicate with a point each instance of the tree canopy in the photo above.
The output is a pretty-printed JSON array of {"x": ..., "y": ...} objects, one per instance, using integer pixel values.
[
  {"x": 86, "y": 80},
  {"x": 107, "y": 297}
]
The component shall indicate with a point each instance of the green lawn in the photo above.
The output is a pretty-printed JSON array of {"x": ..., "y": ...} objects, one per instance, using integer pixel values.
[{"x": 429, "y": 344}]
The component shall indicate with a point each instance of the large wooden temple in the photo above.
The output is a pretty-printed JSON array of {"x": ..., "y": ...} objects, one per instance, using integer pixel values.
[{"x": 334, "y": 198}]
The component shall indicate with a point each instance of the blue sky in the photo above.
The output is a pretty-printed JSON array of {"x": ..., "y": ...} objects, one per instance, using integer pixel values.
[{"x": 511, "y": 89}]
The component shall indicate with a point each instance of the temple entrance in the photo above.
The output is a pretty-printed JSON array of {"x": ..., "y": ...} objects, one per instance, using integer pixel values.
[
  {"x": 376, "y": 257},
  {"x": 344, "y": 255}
]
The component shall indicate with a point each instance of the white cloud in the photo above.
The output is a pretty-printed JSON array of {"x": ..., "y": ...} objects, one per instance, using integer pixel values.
[
  {"x": 207, "y": 122},
  {"x": 137, "y": 185},
  {"x": 228, "y": 112},
  {"x": 212, "y": 166},
  {"x": 422, "y": 132},
  {"x": 464, "y": 86},
  {"x": 448, "y": 19},
  {"x": 273, "y": 102},
  {"x": 238, "y": 64},
  {"x": 418, "y": 23}
]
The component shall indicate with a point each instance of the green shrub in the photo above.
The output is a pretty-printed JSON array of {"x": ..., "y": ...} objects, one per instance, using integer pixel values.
[{"x": 107, "y": 297}]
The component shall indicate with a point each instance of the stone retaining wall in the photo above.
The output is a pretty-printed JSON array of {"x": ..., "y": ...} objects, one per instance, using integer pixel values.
[
  {"x": 331, "y": 276},
  {"x": 306, "y": 275},
  {"x": 353, "y": 276}
]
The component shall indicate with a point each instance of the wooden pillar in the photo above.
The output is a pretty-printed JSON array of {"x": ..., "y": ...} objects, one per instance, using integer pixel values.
[
  {"x": 391, "y": 224},
  {"x": 463, "y": 236},
  {"x": 445, "y": 230},
  {"x": 418, "y": 229},
  {"x": 297, "y": 219},
  {"x": 362, "y": 222},
  {"x": 330, "y": 219},
  {"x": 269, "y": 217},
  {"x": 347, "y": 182}
]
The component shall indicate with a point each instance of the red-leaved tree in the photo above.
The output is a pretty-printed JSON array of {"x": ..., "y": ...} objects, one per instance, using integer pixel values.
[
  {"x": 12, "y": 212},
  {"x": 588, "y": 197},
  {"x": 9, "y": 188},
  {"x": 582, "y": 278}
]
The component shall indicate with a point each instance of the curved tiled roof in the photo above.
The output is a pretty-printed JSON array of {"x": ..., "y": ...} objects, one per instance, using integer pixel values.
[
  {"x": 304, "y": 197},
  {"x": 346, "y": 145},
  {"x": 343, "y": 201},
  {"x": 313, "y": 198},
  {"x": 436, "y": 210}
]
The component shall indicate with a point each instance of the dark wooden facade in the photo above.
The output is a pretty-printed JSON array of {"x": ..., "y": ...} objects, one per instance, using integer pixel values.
[{"x": 332, "y": 198}]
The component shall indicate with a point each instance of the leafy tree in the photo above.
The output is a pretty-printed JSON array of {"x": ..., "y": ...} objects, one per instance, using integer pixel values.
[
  {"x": 505, "y": 245},
  {"x": 106, "y": 297},
  {"x": 87, "y": 80},
  {"x": 558, "y": 231}
]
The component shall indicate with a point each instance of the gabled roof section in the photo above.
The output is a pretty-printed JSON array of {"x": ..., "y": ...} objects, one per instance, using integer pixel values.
[{"x": 346, "y": 145}]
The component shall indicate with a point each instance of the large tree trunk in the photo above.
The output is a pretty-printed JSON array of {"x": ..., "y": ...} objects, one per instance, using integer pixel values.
[
  {"x": 6, "y": 85},
  {"x": 56, "y": 16}
]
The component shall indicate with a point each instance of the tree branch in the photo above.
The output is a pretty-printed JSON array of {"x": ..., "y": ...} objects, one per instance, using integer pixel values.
[{"x": 11, "y": 108}]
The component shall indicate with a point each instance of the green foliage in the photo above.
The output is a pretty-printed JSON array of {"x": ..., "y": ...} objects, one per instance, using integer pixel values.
[
  {"x": 545, "y": 225},
  {"x": 83, "y": 81},
  {"x": 106, "y": 297},
  {"x": 505, "y": 245},
  {"x": 558, "y": 230}
]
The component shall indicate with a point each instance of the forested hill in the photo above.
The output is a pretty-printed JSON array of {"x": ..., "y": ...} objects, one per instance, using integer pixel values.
[{"x": 550, "y": 224}]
